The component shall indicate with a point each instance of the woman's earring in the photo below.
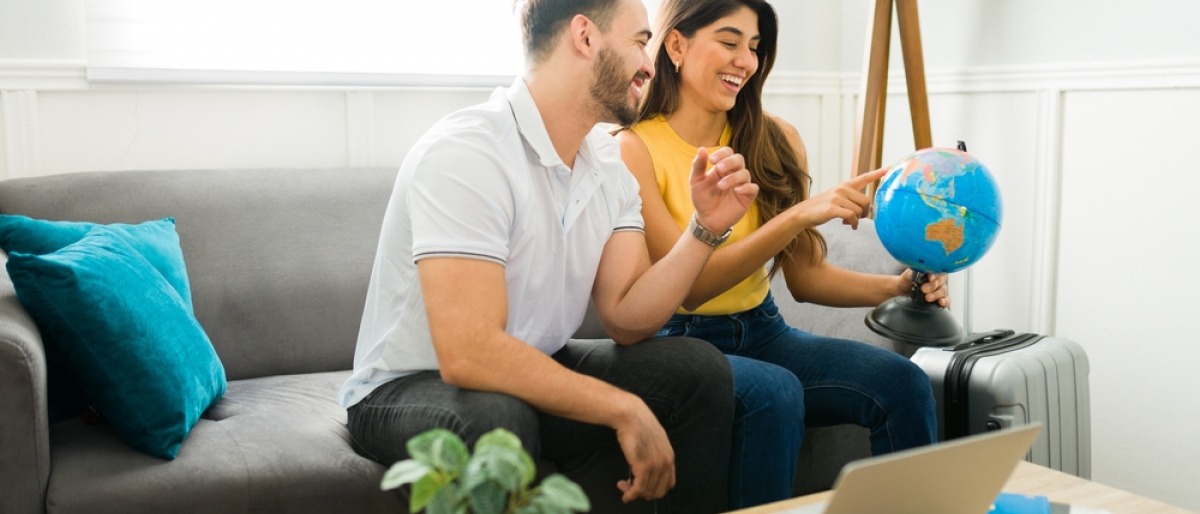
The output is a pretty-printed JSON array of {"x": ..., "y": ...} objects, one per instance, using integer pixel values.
[{"x": 676, "y": 66}]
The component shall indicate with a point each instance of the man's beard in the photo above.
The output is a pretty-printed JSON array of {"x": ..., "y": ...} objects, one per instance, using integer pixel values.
[{"x": 610, "y": 90}]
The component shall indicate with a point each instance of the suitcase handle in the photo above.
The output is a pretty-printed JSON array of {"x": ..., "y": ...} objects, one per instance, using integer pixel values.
[{"x": 979, "y": 338}]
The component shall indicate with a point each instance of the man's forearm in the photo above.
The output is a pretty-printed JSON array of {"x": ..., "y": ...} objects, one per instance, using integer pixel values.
[{"x": 503, "y": 364}]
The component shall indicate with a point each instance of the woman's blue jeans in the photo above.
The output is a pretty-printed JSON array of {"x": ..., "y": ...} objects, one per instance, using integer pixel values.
[{"x": 785, "y": 379}]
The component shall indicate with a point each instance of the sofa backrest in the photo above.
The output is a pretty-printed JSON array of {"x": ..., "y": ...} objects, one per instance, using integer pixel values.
[{"x": 278, "y": 260}]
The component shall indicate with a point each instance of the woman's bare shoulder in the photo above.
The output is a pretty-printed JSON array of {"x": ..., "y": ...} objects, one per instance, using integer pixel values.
[{"x": 790, "y": 133}]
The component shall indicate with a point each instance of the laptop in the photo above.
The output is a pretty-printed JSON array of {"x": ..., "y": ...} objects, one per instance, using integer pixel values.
[{"x": 962, "y": 476}]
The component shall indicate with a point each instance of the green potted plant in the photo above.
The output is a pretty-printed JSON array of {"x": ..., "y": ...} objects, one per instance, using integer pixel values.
[{"x": 496, "y": 479}]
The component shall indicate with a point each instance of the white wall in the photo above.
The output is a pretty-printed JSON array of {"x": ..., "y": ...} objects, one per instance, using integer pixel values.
[
  {"x": 42, "y": 30},
  {"x": 1086, "y": 113}
]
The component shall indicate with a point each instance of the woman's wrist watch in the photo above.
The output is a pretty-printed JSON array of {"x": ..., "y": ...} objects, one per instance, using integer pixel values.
[{"x": 705, "y": 235}]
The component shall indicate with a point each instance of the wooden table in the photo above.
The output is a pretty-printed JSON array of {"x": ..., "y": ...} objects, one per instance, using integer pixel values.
[{"x": 1036, "y": 480}]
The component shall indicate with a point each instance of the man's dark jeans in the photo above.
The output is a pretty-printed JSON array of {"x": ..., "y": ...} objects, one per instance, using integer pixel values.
[{"x": 685, "y": 382}]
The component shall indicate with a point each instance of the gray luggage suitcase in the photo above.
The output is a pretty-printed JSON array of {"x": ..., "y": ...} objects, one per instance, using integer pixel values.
[{"x": 1000, "y": 379}]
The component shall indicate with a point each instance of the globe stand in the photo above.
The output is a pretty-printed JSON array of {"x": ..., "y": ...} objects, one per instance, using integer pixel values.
[{"x": 911, "y": 319}]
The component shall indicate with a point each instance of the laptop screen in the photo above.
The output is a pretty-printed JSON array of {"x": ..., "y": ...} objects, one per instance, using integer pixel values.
[{"x": 953, "y": 477}]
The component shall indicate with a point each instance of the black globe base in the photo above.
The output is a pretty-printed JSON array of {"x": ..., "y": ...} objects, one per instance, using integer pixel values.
[{"x": 913, "y": 320}]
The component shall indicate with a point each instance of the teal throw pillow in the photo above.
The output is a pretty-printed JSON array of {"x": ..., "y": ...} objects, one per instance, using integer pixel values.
[
  {"x": 125, "y": 335},
  {"x": 156, "y": 240}
]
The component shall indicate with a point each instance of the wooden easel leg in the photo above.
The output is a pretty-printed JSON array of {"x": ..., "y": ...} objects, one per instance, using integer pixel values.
[
  {"x": 914, "y": 71},
  {"x": 872, "y": 100}
]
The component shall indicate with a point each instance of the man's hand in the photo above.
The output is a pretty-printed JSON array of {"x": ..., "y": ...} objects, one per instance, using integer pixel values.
[
  {"x": 846, "y": 201},
  {"x": 723, "y": 193},
  {"x": 649, "y": 454}
]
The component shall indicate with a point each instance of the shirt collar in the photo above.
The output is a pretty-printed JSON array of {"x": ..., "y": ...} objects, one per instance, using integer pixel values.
[{"x": 533, "y": 129}]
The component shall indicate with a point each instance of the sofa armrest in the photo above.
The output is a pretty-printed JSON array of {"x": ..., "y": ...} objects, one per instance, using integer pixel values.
[{"x": 24, "y": 431}]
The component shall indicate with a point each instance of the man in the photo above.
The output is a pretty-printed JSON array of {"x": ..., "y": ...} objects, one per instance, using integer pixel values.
[{"x": 504, "y": 218}]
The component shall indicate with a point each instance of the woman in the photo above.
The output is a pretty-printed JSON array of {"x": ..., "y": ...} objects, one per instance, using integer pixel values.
[{"x": 711, "y": 58}]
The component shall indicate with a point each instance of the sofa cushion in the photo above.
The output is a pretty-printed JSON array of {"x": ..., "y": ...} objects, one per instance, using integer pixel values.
[
  {"x": 271, "y": 444},
  {"x": 156, "y": 240},
  {"x": 124, "y": 334}
]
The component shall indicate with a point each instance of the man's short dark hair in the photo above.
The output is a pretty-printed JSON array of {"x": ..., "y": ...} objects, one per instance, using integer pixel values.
[{"x": 543, "y": 20}]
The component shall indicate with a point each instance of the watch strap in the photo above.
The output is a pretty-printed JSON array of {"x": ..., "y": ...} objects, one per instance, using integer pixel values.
[{"x": 705, "y": 235}]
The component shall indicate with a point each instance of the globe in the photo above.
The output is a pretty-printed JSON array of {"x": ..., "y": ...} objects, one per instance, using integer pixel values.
[{"x": 938, "y": 210}]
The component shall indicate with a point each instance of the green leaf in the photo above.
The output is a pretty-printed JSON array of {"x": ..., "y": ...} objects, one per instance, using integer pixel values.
[
  {"x": 487, "y": 498},
  {"x": 403, "y": 472},
  {"x": 438, "y": 448},
  {"x": 420, "y": 447},
  {"x": 539, "y": 505},
  {"x": 559, "y": 490},
  {"x": 445, "y": 501},
  {"x": 528, "y": 469},
  {"x": 501, "y": 438},
  {"x": 423, "y": 491},
  {"x": 497, "y": 463}
]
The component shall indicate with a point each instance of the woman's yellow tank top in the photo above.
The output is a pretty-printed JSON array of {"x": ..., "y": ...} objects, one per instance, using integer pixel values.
[{"x": 672, "y": 158}]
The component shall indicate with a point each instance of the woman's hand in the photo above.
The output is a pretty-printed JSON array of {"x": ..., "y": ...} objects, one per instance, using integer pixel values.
[
  {"x": 936, "y": 288},
  {"x": 846, "y": 201},
  {"x": 723, "y": 193}
]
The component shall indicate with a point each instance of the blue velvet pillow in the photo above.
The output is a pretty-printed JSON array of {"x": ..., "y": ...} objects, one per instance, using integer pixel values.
[
  {"x": 125, "y": 335},
  {"x": 156, "y": 240}
]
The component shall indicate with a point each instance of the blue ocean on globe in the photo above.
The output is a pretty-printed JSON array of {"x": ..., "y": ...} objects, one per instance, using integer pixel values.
[{"x": 938, "y": 210}]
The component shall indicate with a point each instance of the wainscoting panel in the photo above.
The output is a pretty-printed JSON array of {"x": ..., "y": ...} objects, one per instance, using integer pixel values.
[
  {"x": 1127, "y": 280},
  {"x": 3, "y": 143},
  {"x": 21, "y": 157}
]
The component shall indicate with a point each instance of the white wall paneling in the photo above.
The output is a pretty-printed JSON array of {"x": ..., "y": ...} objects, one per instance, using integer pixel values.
[
  {"x": 360, "y": 136},
  {"x": 41, "y": 74},
  {"x": 22, "y": 157},
  {"x": 1046, "y": 211},
  {"x": 3, "y": 140},
  {"x": 1127, "y": 278}
]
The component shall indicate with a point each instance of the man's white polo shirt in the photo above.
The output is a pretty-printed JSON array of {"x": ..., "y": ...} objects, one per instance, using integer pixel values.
[{"x": 486, "y": 183}]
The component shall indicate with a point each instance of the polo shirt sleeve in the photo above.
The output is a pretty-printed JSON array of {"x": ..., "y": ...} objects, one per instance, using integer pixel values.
[
  {"x": 461, "y": 204},
  {"x": 627, "y": 211}
]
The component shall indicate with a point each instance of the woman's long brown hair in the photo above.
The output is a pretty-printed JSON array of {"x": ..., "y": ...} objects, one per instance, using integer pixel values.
[{"x": 772, "y": 161}]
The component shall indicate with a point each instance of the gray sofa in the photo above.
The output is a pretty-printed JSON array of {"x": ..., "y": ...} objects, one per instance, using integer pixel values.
[{"x": 278, "y": 262}]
